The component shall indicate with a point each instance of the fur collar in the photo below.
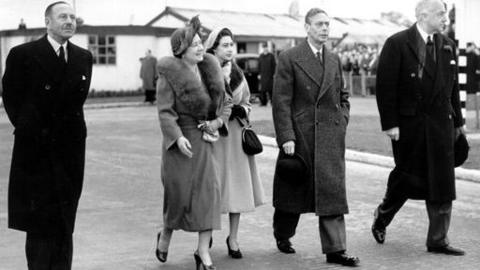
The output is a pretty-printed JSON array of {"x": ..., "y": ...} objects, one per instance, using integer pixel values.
[{"x": 190, "y": 91}]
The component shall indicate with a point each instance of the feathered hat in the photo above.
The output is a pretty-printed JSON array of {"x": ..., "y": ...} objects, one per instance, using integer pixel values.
[{"x": 182, "y": 38}]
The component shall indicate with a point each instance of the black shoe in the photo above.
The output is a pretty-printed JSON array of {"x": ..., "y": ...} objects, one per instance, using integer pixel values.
[
  {"x": 378, "y": 232},
  {"x": 285, "y": 246},
  {"x": 236, "y": 254},
  {"x": 447, "y": 250},
  {"x": 211, "y": 242},
  {"x": 161, "y": 255},
  {"x": 343, "y": 259},
  {"x": 199, "y": 263}
]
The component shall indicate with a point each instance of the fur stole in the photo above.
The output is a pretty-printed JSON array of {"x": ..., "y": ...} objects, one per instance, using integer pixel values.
[
  {"x": 189, "y": 90},
  {"x": 236, "y": 78}
]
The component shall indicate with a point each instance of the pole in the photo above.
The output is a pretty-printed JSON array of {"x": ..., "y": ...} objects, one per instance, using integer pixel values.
[{"x": 477, "y": 113}]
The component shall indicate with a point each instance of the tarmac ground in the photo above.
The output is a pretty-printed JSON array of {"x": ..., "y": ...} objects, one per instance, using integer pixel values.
[{"x": 120, "y": 212}]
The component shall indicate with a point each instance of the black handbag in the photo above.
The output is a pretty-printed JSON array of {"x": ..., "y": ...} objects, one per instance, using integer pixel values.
[{"x": 250, "y": 143}]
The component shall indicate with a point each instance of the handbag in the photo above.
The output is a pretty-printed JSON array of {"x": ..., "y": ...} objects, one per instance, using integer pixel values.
[{"x": 250, "y": 143}]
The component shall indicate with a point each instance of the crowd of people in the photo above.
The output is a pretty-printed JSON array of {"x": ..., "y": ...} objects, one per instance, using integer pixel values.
[
  {"x": 359, "y": 58},
  {"x": 203, "y": 105}
]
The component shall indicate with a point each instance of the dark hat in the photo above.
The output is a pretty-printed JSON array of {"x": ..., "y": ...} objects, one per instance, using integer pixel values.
[
  {"x": 461, "y": 150},
  {"x": 182, "y": 38},
  {"x": 291, "y": 168}
]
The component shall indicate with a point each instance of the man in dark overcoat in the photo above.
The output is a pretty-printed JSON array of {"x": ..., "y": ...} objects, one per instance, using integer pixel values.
[
  {"x": 148, "y": 74},
  {"x": 266, "y": 69},
  {"x": 44, "y": 88},
  {"x": 472, "y": 69},
  {"x": 418, "y": 101},
  {"x": 310, "y": 113}
]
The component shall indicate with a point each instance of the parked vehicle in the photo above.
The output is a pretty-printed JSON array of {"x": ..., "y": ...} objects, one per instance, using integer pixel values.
[{"x": 248, "y": 62}]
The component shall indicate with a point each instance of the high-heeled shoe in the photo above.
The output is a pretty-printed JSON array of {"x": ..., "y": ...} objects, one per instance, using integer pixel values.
[
  {"x": 199, "y": 263},
  {"x": 236, "y": 254},
  {"x": 161, "y": 255}
]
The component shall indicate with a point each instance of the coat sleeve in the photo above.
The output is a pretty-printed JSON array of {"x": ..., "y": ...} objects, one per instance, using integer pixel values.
[
  {"x": 344, "y": 94},
  {"x": 388, "y": 74},
  {"x": 455, "y": 98},
  {"x": 225, "y": 111},
  {"x": 13, "y": 84},
  {"x": 282, "y": 96},
  {"x": 166, "y": 113},
  {"x": 245, "y": 100}
]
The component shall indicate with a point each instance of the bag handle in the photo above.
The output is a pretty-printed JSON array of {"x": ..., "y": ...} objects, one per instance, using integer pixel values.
[{"x": 243, "y": 122}]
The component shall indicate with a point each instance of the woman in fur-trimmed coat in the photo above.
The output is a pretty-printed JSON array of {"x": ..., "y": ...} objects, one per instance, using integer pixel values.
[
  {"x": 242, "y": 189},
  {"x": 190, "y": 91}
]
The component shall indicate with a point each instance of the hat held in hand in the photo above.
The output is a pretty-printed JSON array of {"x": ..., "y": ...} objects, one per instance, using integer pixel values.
[
  {"x": 461, "y": 148},
  {"x": 291, "y": 168}
]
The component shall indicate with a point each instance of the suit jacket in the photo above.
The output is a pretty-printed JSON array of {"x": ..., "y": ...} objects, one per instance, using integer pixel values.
[
  {"x": 310, "y": 107},
  {"x": 424, "y": 103},
  {"x": 44, "y": 102}
]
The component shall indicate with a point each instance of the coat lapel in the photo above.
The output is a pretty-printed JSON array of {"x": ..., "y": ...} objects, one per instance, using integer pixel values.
[
  {"x": 330, "y": 66},
  {"x": 308, "y": 63},
  {"x": 48, "y": 59}
]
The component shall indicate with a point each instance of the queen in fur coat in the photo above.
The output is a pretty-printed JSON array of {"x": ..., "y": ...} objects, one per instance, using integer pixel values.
[
  {"x": 190, "y": 91},
  {"x": 242, "y": 189}
]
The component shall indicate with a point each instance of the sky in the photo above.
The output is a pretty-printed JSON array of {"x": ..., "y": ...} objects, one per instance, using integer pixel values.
[{"x": 139, "y": 12}]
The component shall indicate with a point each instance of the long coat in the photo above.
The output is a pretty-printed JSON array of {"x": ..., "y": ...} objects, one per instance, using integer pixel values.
[
  {"x": 473, "y": 72},
  {"x": 191, "y": 185},
  {"x": 310, "y": 107},
  {"x": 424, "y": 103},
  {"x": 44, "y": 102},
  {"x": 266, "y": 69},
  {"x": 148, "y": 72},
  {"x": 242, "y": 188}
]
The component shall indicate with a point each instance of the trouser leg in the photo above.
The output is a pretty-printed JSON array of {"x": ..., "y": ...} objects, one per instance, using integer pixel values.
[
  {"x": 284, "y": 224},
  {"x": 390, "y": 205},
  {"x": 439, "y": 215},
  {"x": 49, "y": 252},
  {"x": 332, "y": 233}
]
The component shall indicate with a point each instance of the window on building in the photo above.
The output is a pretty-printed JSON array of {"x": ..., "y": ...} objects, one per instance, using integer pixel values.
[{"x": 103, "y": 49}]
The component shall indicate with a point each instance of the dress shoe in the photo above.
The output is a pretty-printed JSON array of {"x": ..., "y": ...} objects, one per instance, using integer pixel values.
[
  {"x": 342, "y": 258},
  {"x": 199, "y": 263},
  {"x": 285, "y": 246},
  {"x": 447, "y": 250},
  {"x": 378, "y": 232},
  {"x": 236, "y": 254},
  {"x": 161, "y": 255}
]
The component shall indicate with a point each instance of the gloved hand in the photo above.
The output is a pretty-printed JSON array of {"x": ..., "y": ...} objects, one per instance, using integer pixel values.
[{"x": 238, "y": 111}]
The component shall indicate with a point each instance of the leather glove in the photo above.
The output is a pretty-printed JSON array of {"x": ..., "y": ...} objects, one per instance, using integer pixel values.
[{"x": 238, "y": 111}]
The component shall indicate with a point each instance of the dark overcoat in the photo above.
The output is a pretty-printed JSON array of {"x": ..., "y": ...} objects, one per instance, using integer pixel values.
[
  {"x": 44, "y": 102},
  {"x": 472, "y": 71},
  {"x": 148, "y": 72},
  {"x": 423, "y": 101},
  {"x": 266, "y": 69},
  {"x": 310, "y": 106}
]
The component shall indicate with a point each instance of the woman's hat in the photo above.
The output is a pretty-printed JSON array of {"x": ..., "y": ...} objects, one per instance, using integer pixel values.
[{"x": 182, "y": 38}]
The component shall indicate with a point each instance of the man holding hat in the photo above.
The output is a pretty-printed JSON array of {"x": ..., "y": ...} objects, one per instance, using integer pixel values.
[{"x": 310, "y": 113}]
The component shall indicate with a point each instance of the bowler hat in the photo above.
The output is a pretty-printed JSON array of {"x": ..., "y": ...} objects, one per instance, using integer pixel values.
[
  {"x": 291, "y": 168},
  {"x": 461, "y": 150}
]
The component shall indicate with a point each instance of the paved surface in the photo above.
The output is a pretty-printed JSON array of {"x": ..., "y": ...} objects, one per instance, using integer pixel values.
[{"x": 121, "y": 206}]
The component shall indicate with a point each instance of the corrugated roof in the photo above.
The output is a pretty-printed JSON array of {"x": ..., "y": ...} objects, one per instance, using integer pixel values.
[{"x": 277, "y": 25}]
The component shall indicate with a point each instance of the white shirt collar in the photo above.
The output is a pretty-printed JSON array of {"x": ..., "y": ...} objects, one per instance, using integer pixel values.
[
  {"x": 315, "y": 50},
  {"x": 56, "y": 46},
  {"x": 424, "y": 34}
]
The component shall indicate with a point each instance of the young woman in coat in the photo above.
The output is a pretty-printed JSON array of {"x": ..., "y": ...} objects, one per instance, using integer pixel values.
[
  {"x": 242, "y": 189},
  {"x": 190, "y": 91}
]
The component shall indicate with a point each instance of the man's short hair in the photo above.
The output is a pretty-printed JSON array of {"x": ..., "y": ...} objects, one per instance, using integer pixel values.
[
  {"x": 423, "y": 5},
  {"x": 312, "y": 12},
  {"x": 49, "y": 8}
]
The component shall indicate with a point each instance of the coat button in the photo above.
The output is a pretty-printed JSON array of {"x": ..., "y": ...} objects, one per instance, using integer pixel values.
[
  {"x": 308, "y": 88},
  {"x": 316, "y": 122},
  {"x": 47, "y": 87},
  {"x": 337, "y": 122}
]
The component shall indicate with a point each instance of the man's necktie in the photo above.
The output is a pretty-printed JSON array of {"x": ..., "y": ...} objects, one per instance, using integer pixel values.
[
  {"x": 430, "y": 48},
  {"x": 61, "y": 55},
  {"x": 319, "y": 57}
]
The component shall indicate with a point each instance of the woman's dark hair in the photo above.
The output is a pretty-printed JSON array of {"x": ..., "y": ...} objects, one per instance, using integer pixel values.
[{"x": 223, "y": 33}]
